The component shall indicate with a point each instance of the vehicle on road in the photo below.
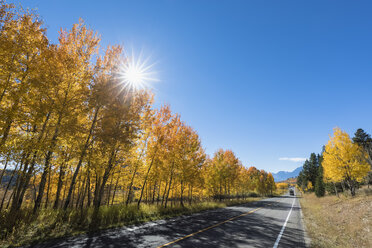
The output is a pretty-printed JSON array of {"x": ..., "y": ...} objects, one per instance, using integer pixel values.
[{"x": 291, "y": 192}]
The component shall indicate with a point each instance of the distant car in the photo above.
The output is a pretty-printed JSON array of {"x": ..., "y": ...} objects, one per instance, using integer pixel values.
[{"x": 291, "y": 192}]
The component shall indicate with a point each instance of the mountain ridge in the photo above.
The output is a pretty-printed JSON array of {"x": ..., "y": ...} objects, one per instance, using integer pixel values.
[{"x": 284, "y": 175}]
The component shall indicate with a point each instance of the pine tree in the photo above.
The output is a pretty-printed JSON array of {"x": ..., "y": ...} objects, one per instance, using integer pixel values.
[
  {"x": 310, "y": 168},
  {"x": 319, "y": 184},
  {"x": 364, "y": 140}
]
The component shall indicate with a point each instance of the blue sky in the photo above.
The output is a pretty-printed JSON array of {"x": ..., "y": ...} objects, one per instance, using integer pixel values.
[{"x": 267, "y": 79}]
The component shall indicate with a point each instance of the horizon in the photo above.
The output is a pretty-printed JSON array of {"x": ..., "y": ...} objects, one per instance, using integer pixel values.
[{"x": 269, "y": 81}]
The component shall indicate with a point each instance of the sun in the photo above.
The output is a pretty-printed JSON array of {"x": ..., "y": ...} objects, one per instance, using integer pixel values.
[
  {"x": 136, "y": 73},
  {"x": 133, "y": 75}
]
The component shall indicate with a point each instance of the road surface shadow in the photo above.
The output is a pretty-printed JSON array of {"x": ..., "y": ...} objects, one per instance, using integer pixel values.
[{"x": 255, "y": 230}]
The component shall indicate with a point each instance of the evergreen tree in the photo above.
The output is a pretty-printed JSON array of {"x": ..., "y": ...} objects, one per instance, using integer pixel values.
[
  {"x": 310, "y": 168},
  {"x": 364, "y": 140},
  {"x": 301, "y": 180},
  {"x": 319, "y": 183}
]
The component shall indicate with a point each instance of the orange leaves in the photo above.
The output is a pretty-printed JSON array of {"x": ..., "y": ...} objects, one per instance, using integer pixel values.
[
  {"x": 79, "y": 41},
  {"x": 226, "y": 175},
  {"x": 65, "y": 100},
  {"x": 282, "y": 185}
]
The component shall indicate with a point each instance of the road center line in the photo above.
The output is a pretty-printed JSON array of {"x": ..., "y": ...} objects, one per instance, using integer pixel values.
[
  {"x": 210, "y": 227},
  {"x": 283, "y": 227}
]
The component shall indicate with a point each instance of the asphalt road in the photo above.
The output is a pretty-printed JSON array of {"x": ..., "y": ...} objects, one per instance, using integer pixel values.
[{"x": 273, "y": 222}]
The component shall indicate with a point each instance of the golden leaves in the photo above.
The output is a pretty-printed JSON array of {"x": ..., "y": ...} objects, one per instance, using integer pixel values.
[{"x": 343, "y": 159}]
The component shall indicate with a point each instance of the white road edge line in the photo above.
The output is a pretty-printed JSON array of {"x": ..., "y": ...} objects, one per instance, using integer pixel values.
[{"x": 285, "y": 223}]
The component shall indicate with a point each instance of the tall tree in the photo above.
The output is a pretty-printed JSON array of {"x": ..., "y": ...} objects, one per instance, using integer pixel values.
[
  {"x": 344, "y": 160},
  {"x": 71, "y": 80},
  {"x": 365, "y": 141},
  {"x": 100, "y": 96},
  {"x": 319, "y": 183},
  {"x": 310, "y": 168}
]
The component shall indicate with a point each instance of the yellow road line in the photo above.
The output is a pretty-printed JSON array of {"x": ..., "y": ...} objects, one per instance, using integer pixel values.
[{"x": 205, "y": 229}]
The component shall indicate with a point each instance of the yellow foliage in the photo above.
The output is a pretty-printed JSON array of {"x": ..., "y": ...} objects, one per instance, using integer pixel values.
[
  {"x": 81, "y": 138},
  {"x": 309, "y": 186},
  {"x": 343, "y": 160},
  {"x": 282, "y": 185}
]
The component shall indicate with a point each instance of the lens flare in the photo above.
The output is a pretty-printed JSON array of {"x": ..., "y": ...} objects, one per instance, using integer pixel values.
[{"x": 136, "y": 73}]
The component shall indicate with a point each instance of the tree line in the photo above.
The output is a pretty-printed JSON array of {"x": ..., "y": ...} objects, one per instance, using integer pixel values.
[
  {"x": 73, "y": 136},
  {"x": 345, "y": 164}
]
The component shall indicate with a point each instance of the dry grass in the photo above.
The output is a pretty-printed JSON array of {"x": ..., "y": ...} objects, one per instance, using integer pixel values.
[{"x": 339, "y": 222}]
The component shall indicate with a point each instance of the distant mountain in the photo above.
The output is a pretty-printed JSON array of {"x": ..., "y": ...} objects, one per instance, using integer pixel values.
[{"x": 284, "y": 175}]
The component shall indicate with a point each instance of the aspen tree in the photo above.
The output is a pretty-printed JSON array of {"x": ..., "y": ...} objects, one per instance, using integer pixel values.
[{"x": 344, "y": 160}]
